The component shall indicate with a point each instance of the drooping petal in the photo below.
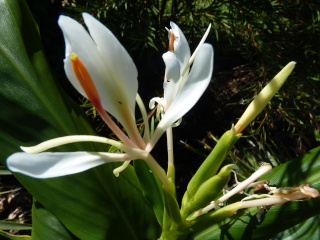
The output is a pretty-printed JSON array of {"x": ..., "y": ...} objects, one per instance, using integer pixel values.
[
  {"x": 49, "y": 165},
  {"x": 194, "y": 86},
  {"x": 181, "y": 46},
  {"x": 114, "y": 74}
]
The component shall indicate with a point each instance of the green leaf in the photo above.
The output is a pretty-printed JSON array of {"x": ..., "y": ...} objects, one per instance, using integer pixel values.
[
  {"x": 95, "y": 204},
  {"x": 47, "y": 226},
  {"x": 308, "y": 229},
  {"x": 91, "y": 205},
  {"x": 247, "y": 225},
  {"x": 33, "y": 108},
  {"x": 151, "y": 187}
]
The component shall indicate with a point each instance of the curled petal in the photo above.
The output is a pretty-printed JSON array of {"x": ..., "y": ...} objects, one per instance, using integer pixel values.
[
  {"x": 181, "y": 46},
  {"x": 157, "y": 100},
  {"x": 194, "y": 86},
  {"x": 309, "y": 191},
  {"x": 49, "y": 165}
]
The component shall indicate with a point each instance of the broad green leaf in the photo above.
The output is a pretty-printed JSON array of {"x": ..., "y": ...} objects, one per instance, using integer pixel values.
[
  {"x": 97, "y": 205},
  {"x": 91, "y": 205},
  {"x": 308, "y": 229},
  {"x": 248, "y": 225},
  {"x": 47, "y": 226},
  {"x": 31, "y": 104}
]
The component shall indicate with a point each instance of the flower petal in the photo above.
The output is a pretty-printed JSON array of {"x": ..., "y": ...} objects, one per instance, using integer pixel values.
[
  {"x": 117, "y": 88},
  {"x": 172, "y": 75},
  {"x": 194, "y": 86},
  {"x": 49, "y": 165},
  {"x": 181, "y": 46},
  {"x": 85, "y": 49},
  {"x": 116, "y": 60}
]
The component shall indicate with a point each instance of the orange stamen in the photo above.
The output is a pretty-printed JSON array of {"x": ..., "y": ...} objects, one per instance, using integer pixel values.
[
  {"x": 171, "y": 41},
  {"x": 90, "y": 89},
  {"x": 85, "y": 80}
]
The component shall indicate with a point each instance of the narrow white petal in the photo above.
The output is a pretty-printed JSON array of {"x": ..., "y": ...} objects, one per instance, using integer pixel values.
[
  {"x": 181, "y": 46},
  {"x": 50, "y": 165},
  {"x": 203, "y": 39},
  {"x": 194, "y": 86}
]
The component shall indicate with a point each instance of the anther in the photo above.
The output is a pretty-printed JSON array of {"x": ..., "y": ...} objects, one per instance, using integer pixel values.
[
  {"x": 172, "y": 38},
  {"x": 85, "y": 80}
]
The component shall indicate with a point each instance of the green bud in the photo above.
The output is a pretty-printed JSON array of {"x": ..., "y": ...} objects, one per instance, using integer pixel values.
[
  {"x": 212, "y": 163},
  {"x": 215, "y": 217},
  {"x": 208, "y": 191},
  {"x": 262, "y": 99}
]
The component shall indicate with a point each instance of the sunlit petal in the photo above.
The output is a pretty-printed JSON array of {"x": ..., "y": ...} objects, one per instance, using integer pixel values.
[
  {"x": 49, "y": 165},
  {"x": 181, "y": 46},
  {"x": 194, "y": 86},
  {"x": 116, "y": 60},
  {"x": 111, "y": 68},
  {"x": 85, "y": 49}
]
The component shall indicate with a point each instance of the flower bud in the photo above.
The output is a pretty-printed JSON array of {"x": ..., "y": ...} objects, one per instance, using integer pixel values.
[{"x": 262, "y": 99}]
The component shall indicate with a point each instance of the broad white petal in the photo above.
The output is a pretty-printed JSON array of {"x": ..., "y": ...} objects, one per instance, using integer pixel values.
[
  {"x": 181, "y": 46},
  {"x": 172, "y": 75},
  {"x": 194, "y": 86},
  {"x": 113, "y": 92},
  {"x": 49, "y": 165},
  {"x": 116, "y": 60},
  {"x": 78, "y": 41}
]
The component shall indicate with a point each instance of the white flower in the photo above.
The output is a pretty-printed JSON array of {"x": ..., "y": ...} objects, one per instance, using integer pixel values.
[
  {"x": 99, "y": 67},
  {"x": 111, "y": 68},
  {"x": 182, "y": 89}
]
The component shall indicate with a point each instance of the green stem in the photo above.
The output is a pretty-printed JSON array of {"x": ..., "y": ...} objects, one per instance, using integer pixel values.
[{"x": 146, "y": 135}]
